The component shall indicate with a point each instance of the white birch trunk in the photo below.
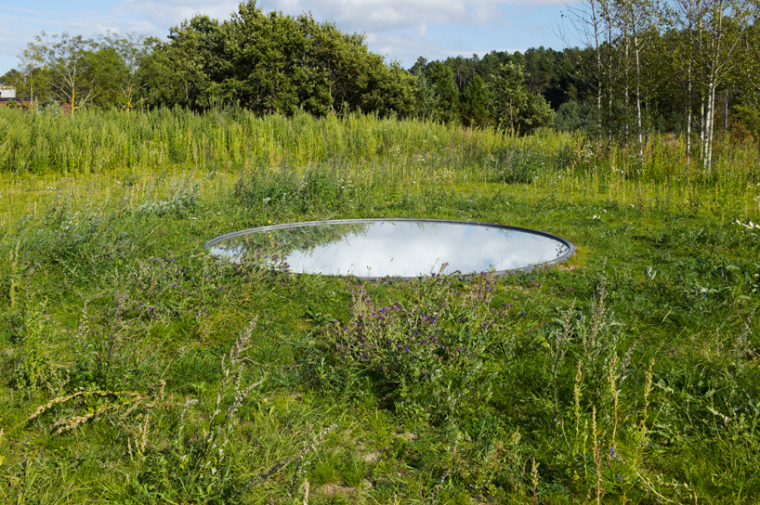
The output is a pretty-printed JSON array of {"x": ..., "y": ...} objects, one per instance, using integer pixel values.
[{"x": 688, "y": 116}]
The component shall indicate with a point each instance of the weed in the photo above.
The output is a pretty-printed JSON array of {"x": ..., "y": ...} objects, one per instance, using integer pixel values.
[{"x": 182, "y": 198}]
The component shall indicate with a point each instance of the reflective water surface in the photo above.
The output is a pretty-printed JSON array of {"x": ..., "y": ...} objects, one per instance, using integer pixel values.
[{"x": 394, "y": 248}]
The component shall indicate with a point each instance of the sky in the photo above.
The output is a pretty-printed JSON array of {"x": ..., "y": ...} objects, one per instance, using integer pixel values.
[{"x": 400, "y": 30}]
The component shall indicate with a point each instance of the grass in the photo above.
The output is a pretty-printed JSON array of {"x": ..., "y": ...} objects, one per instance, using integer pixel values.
[{"x": 131, "y": 373}]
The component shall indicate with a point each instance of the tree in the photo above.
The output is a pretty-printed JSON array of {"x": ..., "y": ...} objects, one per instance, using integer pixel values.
[
  {"x": 513, "y": 107},
  {"x": 722, "y": 23},
  {"x": 589, "y": 21},
  {"x": 687, "y": 20},
  {"x": 636, "y": 22},
  {"x": 67, "y": 58},
  {"x": 31, "y": 83},
  {"x": 189, "y": 69},
  {"x": 270, "y": 62},
  {"x": 426, "y": 99},
  {"x": 266, "y": 53},
  {"x": 420, "y": 66},
  {"x": 749, "y": 70},
  {"x": 105, "y": 72},
  {"x": 355, "y": 77},
  {"x": 35, "y": 79},
  {"x": 510, "y": 96},
  {"x": 477, "y": 98},
  {"x": 390, "y": 90},
  {"x": 463, "y": 69},
  {"x": 133, "y": 50},
  {"x": 446, "y": 92}
]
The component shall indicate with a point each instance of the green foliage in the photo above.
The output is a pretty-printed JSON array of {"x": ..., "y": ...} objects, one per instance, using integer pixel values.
[
  {"x": 102, "y": 141},
  {"x": 446, "y": 93},
  {"x": 513, "y": 108},
  {"x": 33, "y": 369},
  {"x": 427, "y": 358},
  {"x": 572, "y": 116},
  {"x": 299, "y": 65},
  {"x": 106, "y": 71},
  {"x": 427, "y": 101},
  {"x": 316, "y": 190},
  {"x": 520, "y": 166},
  {"x": 477, "y": 100},
  {"x": 73, "y": 65},
  {"x": 183, "y": 198}
]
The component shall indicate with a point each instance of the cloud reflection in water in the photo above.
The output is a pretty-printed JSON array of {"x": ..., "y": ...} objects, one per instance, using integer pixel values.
[{"x": 410, "y": 249}]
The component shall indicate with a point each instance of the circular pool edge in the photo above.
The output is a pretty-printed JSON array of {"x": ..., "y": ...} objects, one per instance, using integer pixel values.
[{"x": 302, "y": 224}]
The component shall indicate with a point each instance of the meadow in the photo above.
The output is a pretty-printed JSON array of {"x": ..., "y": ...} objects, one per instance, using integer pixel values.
[{"x": 135, "y": 368}]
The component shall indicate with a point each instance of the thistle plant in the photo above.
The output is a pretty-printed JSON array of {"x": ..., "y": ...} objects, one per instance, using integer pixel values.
[
  {"x": 558, "y": 340},
  {"x": 34, "y": 369},
  {"x": 428, "y": 353}
]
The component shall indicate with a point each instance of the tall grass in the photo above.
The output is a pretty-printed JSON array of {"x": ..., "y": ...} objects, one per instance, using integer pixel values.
[
  {"x": 368, "y": 149},
  {"x": 95, "y": 141}
]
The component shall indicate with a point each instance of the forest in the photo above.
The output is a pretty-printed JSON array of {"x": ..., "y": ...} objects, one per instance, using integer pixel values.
[{"x": 688, "y": 66}]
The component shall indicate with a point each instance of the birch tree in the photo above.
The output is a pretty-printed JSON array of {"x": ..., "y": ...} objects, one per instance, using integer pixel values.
[
  {"x": 66, "y": 57},
  {"x": 636, "y": 19},
  {"x": 720, "y": 36},
  {"x": 35, "y": 77},
  {"x": 688, "y": 20},
  {"x": 588, "y": 20}
]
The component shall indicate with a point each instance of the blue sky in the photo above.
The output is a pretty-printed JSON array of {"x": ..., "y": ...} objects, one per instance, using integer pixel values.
[{"x": 398, "y": 29}]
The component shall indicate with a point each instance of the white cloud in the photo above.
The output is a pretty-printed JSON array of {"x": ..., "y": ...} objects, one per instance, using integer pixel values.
[
  {"x": 410, "y": 249},
  {"x": 168, "y": 13},
  {"x": 398, "y": 29},
  {"x": 22, "y": 25},
  {"x": 391, "y": 15}
]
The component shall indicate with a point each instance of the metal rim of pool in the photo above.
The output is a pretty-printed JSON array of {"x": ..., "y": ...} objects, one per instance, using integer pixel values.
[{"x": 283, "y": 226}]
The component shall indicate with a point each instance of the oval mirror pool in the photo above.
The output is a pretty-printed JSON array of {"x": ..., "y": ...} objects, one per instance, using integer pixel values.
[{"x": 373, "y": 248}]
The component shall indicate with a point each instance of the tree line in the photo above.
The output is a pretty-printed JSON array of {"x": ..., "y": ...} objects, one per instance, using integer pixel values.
[
  {"x": 268, "y": 63},
  {"x": 680, "y": 66},
  {"x": 643, "y": 66}
]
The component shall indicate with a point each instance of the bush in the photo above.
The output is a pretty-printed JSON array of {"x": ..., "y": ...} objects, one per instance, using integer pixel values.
[{"x": 427, "y": 357}]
